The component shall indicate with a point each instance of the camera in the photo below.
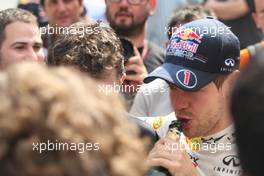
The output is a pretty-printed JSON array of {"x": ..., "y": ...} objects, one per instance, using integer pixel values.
[{"x": 128, "y": 51}]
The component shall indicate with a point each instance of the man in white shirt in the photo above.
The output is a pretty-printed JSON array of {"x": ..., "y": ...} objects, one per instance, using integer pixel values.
[{"x": 201, "y": 66}]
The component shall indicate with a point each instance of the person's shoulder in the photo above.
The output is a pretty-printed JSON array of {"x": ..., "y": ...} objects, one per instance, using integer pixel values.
[
  {"x": 158, "y": 50},
  {"x": 156, "y": 89},
  {"x": 152, "y": 85},
  {"x": 155, "y": 57},
  {"x": 148, "y": 98}
]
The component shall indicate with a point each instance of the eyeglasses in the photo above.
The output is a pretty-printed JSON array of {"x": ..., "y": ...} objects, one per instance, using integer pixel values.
[{"x": 131, "y": 2}]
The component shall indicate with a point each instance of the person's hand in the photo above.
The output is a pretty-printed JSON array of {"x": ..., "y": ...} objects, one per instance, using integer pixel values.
[
  {"x": 135, "y": 64},
  {"x": 170, "y": 155}
]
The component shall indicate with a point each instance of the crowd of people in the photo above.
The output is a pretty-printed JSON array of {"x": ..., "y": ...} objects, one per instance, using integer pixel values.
[{"x": 89, "y": 98}]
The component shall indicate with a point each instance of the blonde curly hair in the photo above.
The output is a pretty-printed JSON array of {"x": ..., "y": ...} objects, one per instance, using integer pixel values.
[{"x": 40, "y": 104}]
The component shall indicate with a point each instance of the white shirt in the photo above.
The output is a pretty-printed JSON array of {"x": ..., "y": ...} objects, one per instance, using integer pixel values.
[
  {"x": 152, "y": 99},
  {"x": 214, "y": 155}
]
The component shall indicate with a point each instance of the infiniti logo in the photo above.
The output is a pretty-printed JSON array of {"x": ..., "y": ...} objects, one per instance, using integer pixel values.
[
  {"x": 230, "y": 62},
  {"x": 231, "y": 160}
]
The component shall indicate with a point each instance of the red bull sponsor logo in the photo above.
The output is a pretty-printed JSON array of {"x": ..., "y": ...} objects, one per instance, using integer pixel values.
[
  {"x": 189, "y": 34},
  {"x": 184, "y": 45},
  {"x": 186, "y": 40}
]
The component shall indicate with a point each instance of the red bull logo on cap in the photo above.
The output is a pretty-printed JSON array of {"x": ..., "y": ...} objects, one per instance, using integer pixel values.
[
  {"x": 186, "y": 41},
  {"x": 192, "y": 47},
  {"x": 189, "y": 34}
]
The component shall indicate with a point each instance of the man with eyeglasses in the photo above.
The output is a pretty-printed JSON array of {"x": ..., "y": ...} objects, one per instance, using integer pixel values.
[{"x": 128, "y": 18}]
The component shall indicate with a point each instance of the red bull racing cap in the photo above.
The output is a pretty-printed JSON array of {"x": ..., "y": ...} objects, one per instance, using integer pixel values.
[{"x": 198, "y": 52}]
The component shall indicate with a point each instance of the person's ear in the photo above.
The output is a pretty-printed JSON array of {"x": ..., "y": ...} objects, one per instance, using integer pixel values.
[
  {"x": 233, "y": 77},
  {"x": 81, "y": 6},
  {"x": 229, "y": 83},
  {"x": 122, "y": 78},
  {"x": 153, "y": 5}
]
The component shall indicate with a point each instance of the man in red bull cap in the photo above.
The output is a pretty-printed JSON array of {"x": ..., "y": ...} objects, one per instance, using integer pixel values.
[
  {"x": 153, "y": 99},
  {"x": 200, "y": 82}
]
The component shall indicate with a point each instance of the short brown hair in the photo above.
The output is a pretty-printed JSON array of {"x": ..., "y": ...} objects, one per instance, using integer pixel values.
[
  {"x": 11, "y": 15},
  {"x": 40, "y": 104},
  {"x": 220, "y": 80},
  {"x": 95, "y": 53},
  {"x": 185, "y": 15}
]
